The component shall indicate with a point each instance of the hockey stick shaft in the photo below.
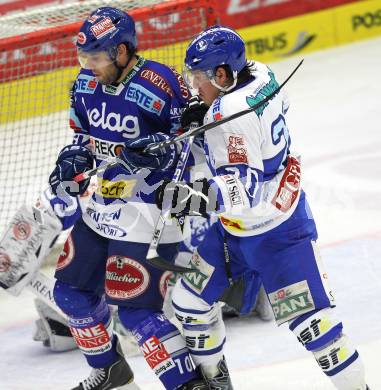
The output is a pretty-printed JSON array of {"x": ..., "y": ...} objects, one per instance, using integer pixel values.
[
  {"x": 193, "y": 132},
  {"x": 153, "y": 257}
]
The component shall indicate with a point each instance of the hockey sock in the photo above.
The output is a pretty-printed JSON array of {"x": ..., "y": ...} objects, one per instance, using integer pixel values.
[
  {"x": 90, "y": 323},
  {"x": 162, "y": 345},
  {"x": 203, "y": 328},
  {"x": 321, "y": 333}
]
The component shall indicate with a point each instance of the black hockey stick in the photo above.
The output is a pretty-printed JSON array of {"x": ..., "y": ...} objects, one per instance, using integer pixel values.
[
  {"x": 191, "y": 132},
  {"x": 153, "y": 257}
]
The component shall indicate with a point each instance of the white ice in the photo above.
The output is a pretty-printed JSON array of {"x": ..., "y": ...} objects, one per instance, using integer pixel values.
[{"x": 335, "y": 123}]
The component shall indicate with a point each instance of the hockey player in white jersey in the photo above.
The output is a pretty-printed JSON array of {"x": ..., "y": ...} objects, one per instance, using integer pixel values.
[{"x": 265, "y": 223}]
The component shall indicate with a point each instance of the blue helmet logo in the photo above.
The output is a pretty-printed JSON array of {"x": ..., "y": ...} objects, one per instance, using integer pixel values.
[{"x": 201, "y": 45}]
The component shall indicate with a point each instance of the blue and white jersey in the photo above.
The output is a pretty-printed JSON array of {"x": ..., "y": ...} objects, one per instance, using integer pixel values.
[
  {"x": 257, "y": 180},
  {"x": 149, "y": 100}
]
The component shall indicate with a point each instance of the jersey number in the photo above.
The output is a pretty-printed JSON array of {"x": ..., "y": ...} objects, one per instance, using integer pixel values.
[{"x": 278, "y": 130}]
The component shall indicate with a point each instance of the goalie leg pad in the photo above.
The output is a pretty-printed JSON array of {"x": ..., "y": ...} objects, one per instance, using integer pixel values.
[
  {"x": 90, "y": 323},
  {"x": 203, "y": 328},
  {"x": 52, "y": 329},
  {"x": 321, "y": 333},
  {"x": 161, "y": 344}
]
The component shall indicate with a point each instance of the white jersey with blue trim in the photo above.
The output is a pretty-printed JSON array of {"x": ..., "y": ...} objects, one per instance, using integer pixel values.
[{"x": 256, "y": 177}]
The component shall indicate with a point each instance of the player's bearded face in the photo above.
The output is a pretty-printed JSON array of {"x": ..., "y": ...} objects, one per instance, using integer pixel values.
[{"x": 100, "y": 63}]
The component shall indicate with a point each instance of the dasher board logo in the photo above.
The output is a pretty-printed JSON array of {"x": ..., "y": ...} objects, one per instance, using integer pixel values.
[{"x": 291, "y": 301}]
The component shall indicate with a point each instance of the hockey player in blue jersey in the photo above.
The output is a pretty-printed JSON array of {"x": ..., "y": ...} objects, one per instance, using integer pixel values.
[
  {"x": 265, "y": 224},
  {"x": 120, "y": 103}
]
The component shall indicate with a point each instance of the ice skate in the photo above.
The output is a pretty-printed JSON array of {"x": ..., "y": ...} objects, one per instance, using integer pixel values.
[
  {"x": 222, "y": 380},
  {"x": 196, "y": 384},
  {"x": 116, "y": 376}
]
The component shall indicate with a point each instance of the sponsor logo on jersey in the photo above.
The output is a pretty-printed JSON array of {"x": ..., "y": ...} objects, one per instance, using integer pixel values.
[
  {"x": 112, "y": 89},
  {"x": 233, "y": 190},
  {"x": 216, "y": 110},
  {"x": 93, "y": 340},
  {"x": 85, "y": 84},
  {"x": 183, "y": 87},
  {"x": 104, "y": 149},
  {"x": 115, "y": 189},
  {"x": 102, "y": 28},
  {"x": 127, "y": 125},
  {"x": 111, "y": 231},
  {"x": 197, "y": 281},
  {"x": 22, "y": 230},
  {"x": 67, "y": 254},
  {"x": 157, "y": 80},
  {"x": 260, "y": 94},
  {"x": 105, "y": 216},
  {"x": 291, "y": 301},
  {"x": 144, "y": 98},
  {"x": 156, "y": 355},
  {"x": 5, "y": 262},
  {"x": 176, "y": 111},
  {"x": 235, "y": 225},
  {"x": 289, "y": 186},
  {"x": 125, "y": 278},
  {"x": 237, "y": 150}
]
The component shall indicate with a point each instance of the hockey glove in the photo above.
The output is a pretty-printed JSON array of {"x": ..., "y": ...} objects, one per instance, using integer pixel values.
[
  {"x": 195, "y": 199},
  {"x": 72, "y": 160},
  {"x": 161, "y": 159},
  {"x": 195, "y": 111}
]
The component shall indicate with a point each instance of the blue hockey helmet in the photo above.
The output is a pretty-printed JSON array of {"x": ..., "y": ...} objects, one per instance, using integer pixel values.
[
  {"x": 217, "y": 45},
  {"x": 104, "y": 30}
]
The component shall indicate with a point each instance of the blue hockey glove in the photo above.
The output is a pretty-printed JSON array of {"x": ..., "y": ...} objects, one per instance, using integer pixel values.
[
  {"x": 161, "y": 159},
  {"x": 194, "y": 112},
  {"x": 72, "y": 160},
  {"x": 195, "y": 199}
]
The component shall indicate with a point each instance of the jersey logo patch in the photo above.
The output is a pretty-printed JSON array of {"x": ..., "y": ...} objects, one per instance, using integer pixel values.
[
  {"x": 144, "y": 98},
  {"x": 237, "y": 151},
  {"x": 157, "y": 80},
  {"x": 289, "y": 186},
  {"x": 262, "y": 93},
  {"x": 86, "y": 84}
]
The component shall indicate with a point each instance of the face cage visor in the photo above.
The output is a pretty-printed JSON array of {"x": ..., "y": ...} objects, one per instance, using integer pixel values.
[
  {"x": 196, "y": 78},
  {"x": 96, "y": 59}
]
